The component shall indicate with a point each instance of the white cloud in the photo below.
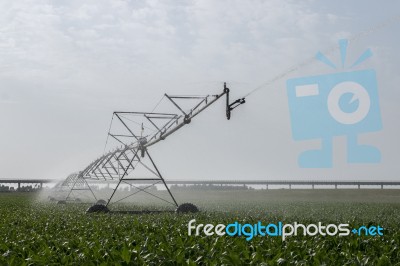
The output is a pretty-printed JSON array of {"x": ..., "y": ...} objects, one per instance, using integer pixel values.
[{"x": 99, "y": 56}]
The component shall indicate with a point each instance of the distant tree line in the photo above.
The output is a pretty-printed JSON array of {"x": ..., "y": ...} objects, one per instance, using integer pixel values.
[{"x": 29, "y": 188}]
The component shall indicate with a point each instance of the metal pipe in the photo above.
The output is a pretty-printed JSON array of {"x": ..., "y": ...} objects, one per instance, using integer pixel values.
[{"x": 181, "y": 124}]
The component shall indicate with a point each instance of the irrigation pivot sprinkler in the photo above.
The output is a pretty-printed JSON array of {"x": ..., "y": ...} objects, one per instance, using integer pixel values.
[
  {"x": 77, "y": 183},
  {"x": 134, "y": 132}
]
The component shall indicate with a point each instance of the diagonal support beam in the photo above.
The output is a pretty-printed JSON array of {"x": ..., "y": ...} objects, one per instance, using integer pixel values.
[
  {"x": 122, "y": 121},
  {"x": 177, "y": 106}
]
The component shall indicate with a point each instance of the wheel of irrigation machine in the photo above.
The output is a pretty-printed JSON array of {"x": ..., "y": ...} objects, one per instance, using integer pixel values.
[
  {"x": 102, "y": 202},
  {"x": 187, "y": 208},
  {"x": 97, "y": 208}
]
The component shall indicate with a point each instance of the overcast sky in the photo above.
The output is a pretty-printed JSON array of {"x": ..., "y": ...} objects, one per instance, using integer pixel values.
[{"x": 65, "y": 66}]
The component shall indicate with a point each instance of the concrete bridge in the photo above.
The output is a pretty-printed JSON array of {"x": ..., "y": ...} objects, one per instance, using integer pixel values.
[
  {"x": 266, "y": 183},
  {"x": 288, "y": 183}
]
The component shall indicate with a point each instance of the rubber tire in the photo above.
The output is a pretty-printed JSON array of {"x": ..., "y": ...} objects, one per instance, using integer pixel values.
[
  {"x": 187, "y": 208},
  {"x": 97, "y": 208},
  {"x": 101, "y": 202}
]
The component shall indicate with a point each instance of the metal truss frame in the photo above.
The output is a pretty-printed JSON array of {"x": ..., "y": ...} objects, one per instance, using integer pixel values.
[
  {"x": 119, "y": 163},
  {"x": 75, "y": 183}
]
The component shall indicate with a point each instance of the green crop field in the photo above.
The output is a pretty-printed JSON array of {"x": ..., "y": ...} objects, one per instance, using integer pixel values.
[{"x": 40, "y": 233}]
